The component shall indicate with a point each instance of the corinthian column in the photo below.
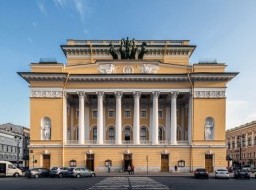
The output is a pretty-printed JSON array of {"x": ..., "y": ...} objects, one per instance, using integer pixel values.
[
  {"x": 100, "y": 118},
  {"x": 65, "y": 117},
  {"x": 155, "y": 118},
  {"x": 174, "y": 118},
  {"x": 118, "y": 117},
  {"x": 81, "y": 118},
  {"x": 136, "y": 118}
]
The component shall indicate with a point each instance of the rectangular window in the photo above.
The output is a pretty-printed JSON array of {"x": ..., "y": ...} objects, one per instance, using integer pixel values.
[
  {"x": 94, "y": 114},
  {"x": 111, "y": 114},
  {"x": 143, "y": 113},
  {"x": 160, "y": 113},
  {"x": 127, "y": 113}
]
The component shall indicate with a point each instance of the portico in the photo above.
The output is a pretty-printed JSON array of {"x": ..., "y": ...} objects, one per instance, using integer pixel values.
[{"x": 134, "y": 101}]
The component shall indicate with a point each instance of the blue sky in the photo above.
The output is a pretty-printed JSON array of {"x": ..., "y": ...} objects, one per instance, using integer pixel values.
[{"x": 222, "y": 29}]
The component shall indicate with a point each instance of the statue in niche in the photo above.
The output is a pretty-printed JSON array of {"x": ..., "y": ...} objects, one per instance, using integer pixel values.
[
  {"x": 47, "y": 131},
  {"x": 143, "y": 50},
  {"x": 209, "y": 127},
  {"x": 112, "y": 51}
]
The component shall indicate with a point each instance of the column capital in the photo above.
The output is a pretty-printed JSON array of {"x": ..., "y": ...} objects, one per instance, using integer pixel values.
[
  {"x": 136, "y": 94},
  {"x": 155, "y": 94},
  {"x": 81, "y": 93},
  {"x": 65, "y": 95},
  {"x": 174, "y": 94},
  {"x": 118, "y": 94},
  {"x": 100, "y": 93}
]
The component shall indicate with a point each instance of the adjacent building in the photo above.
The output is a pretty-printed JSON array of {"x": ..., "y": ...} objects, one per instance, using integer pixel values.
[
  {"x": 126, "y": 102},
  {"x": 14, "y": 142},
  {"x": 241, "y": 142}
]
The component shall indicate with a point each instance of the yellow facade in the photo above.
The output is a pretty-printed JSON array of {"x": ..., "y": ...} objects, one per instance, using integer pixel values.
[{"x": 69, "y": 121}]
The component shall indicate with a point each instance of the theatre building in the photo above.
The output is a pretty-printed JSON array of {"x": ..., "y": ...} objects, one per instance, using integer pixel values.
[{"x": 128, "y": 102}]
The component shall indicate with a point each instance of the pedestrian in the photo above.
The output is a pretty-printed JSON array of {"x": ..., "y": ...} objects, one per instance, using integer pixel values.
[
  {"x": 129, "y": 169},
  {"x": 108, "y": 168},
  {"x": 132, "y": 169},
  {"x": 176, "y": 168}
]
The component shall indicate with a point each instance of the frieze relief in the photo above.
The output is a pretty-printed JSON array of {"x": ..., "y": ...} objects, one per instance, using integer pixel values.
[
  {"x": 46, "y": 94},
  {"x": 209, "y": 94}
]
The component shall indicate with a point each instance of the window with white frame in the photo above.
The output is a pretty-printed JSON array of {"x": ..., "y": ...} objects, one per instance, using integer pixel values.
[
  {"x": 143, "y": 113},
  {"x": 160, "y": 113},
  {"x": 94, "y": 114},
  {"x": 94, "y": 133},
  {"x": 111, "y": 113},
  {"x": 111, "y": 133},
  {"x": 127, "y": 113},
  {"x": 143, "y": 134}
]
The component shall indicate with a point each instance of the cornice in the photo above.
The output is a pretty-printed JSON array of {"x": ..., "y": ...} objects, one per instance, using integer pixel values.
[{"x": 182, "y": 77}]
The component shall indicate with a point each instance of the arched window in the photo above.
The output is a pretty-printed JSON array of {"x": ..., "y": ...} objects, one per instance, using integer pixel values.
[
  {"x": 46, "y": 128},
  {"x": 143, "y": 134},
  {"x": 127, "y": 134},
  {"x": 161, "y": 133},
  {"x": 209, "y": 128},
  {"x": 111, "y": 134},
  {"x": 94, "y": 133}
]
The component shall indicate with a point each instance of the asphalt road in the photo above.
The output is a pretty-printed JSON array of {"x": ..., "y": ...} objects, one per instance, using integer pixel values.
[{"x": 126, "y": 183}]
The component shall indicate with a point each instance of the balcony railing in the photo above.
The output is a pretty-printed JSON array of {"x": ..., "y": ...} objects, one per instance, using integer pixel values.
[{"x": 125, "y": 142}]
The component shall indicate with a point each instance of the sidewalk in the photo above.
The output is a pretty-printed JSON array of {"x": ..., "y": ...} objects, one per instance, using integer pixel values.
[
  {"x": 143, "y": 174},
  {"x": 153, "y": 174}
]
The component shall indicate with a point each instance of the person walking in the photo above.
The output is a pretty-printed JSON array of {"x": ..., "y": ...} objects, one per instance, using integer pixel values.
[
  {"x": 129, "y": 169},
  {"x": 132, "y": 169}
]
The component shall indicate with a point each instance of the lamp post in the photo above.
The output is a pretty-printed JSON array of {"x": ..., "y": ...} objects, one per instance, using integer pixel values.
[
  {"x": 240, "y": 147},
  {"x": 18, "y": 139}
]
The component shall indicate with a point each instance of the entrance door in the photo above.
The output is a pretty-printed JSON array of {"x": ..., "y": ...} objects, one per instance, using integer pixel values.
[
  {"x": 90, "y": 161},
  {"x": 209, "y": 162},
  {"x": 46, "y": 161},
  {"x": 165, "y": 162},
  {"x": 127, "y": 161}
]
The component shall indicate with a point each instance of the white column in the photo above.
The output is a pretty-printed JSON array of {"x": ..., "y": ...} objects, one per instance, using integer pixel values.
[
  {"x": 64, "y": 118},
  {"x": 155, "y": 118},
  {"x": 236, "y": 142},
  {"x": 252, "y": 138},
  {"x": 150, "y": 124},
  {"x": 136, "y": 118},
  {"x": 100, "y": 118},
  {"x": 168, "y": 123},
  {"x": 118, "y": 128},
  {"x": 190, "y": 119},
  {"x": 81, "y": 118},
  {"x": 87, "y": 122},
  {"x": 182, "y": 123},
  {"x": 246, "y": 139},
  {"x": 174, "y": 118},
  {"x": 72, "y": 122}
]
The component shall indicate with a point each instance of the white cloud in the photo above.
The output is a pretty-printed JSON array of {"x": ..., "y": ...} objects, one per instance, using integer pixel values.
[
  {"x": 42, "y": 8},
  {"x": 30, "y": 40},
  {"x": 60, "y": 3},
  {"x": 81, "y": 7},
  {"x": 85, "y": 31},
  {"x": 239, "y": 112}
]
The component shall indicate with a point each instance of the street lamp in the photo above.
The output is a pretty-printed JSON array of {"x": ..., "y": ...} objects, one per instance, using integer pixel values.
[
  {"x": 240, "y": 147},
  {"x": 18, "y": 139}
]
